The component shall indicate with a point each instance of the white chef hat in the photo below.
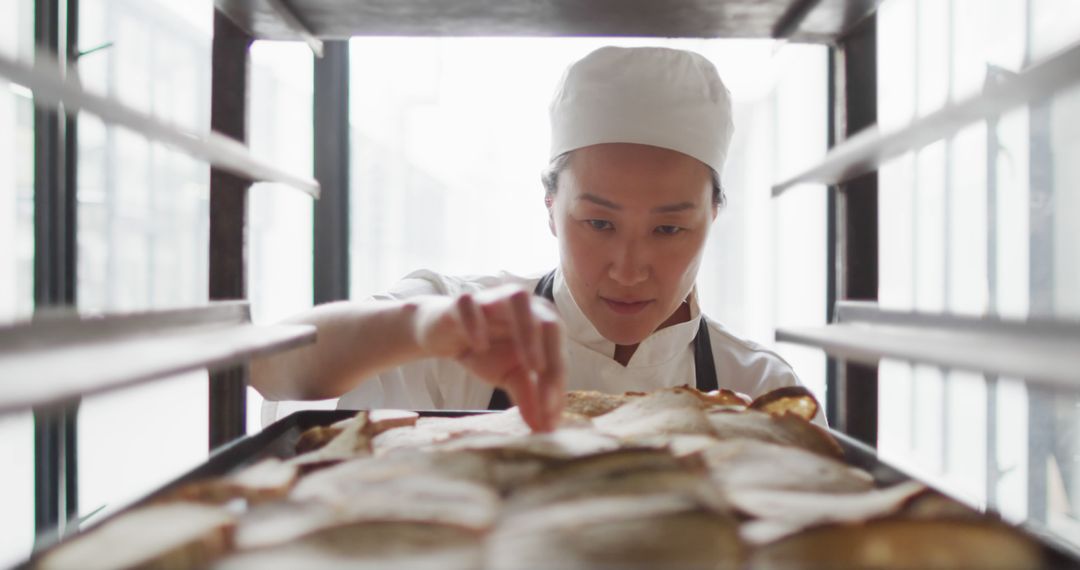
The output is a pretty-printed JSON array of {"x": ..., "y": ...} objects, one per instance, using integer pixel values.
[{"x": 655, "y": 96}]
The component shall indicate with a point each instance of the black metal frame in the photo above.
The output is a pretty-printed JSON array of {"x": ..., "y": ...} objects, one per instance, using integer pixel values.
[
  {"x": 793, "y": 18},
  {"x": 55, "y": 223},
  {"x": 852, "y": 389},
  {"x": 228, "y": 218},
  {"x": 331, "y": 160},
  {"x": 280, "y": 438},
  {"x": 832, "y": 269},
  {"x": 228, "y": 198}
]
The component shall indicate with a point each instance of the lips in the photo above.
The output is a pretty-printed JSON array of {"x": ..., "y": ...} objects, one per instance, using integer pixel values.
[{"x": 626, "y": 307}]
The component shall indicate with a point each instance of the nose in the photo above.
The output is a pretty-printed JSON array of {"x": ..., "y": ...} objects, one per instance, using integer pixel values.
[{"x": 628, "y": 263}]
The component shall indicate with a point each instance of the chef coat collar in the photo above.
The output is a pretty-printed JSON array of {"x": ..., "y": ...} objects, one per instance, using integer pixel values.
[{"x": 660, "y": 347}]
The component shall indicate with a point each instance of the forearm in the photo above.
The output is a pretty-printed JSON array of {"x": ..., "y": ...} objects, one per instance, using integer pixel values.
[{"x": 355, "y": 340}]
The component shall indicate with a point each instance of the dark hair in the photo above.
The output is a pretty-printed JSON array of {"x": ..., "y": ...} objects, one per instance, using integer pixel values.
[{"x": 550, "y": 179}]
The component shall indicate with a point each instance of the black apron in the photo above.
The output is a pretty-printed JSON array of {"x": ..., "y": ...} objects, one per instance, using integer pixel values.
[{"x": 705, "y": 368}]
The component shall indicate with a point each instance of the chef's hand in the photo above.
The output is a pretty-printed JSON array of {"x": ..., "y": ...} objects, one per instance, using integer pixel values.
[{"x": 506, "y": 336}]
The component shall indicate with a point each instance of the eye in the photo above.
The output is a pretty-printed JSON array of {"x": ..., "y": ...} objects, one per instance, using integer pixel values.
[
  {"x": 600, "y": 225},
  {"x": 668, "y": 230}
]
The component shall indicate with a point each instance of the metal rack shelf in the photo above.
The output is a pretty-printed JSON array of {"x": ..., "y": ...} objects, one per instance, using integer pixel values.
[
  {"x": 53, "y": 88},
  {"x": 800, "y": 20},
  {"x": 869, "y": 149},
  {"x": 1046, "y": 352},
  {"x": 63, "y": 355}
]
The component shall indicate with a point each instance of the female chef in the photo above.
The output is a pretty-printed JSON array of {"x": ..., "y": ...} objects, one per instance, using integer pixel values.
[{"x": 639, "y": 138}]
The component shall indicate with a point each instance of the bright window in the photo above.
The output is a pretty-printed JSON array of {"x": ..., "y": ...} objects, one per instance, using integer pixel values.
[
  {"x": 983, "y": 223},
  {"x": 280, "y": 262},
  {"x": 16, "y": 275},
  {"x": 143, "y": 230},
  {"x": 144, "y": 224},
  {"x": 450, "y": 136}
]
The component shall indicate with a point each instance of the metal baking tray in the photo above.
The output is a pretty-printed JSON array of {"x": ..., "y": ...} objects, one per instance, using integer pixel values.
[{"x": 279, "y": 440}]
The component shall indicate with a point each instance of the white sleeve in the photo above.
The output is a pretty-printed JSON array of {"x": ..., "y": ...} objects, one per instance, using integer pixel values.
[
  {"x": 426, "y": 282},
  {"x": 429, "y": 384},
  {"x": 749, "y": 368}
]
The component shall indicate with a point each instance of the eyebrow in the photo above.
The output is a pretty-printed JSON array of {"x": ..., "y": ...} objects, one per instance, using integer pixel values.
[
  {"x": 681, "y": 206},
  {"x": 599, "y": 201},
  {"x": 666, "y": 209}
]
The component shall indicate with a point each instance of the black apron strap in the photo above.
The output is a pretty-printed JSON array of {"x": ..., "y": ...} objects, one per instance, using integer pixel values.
[
  {"x": 546, "y": 289},
  {"x": 705, "y": 367}
]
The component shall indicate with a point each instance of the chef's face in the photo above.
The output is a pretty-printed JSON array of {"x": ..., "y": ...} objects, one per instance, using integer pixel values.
[{"x": 631, "y": 221}]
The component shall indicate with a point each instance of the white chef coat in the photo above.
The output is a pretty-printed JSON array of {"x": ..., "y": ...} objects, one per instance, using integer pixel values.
[{"x": 664, "y": 359}]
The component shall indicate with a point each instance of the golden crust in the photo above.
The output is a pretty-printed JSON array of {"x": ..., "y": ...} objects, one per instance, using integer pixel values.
[
  {"x": 590, "y": 403},
  {"x": 795, "y": 400},
  {"x": 633, "y": 479}
]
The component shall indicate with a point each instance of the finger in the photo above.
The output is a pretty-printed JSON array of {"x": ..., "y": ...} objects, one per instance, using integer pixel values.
[
  {"x": 501, "y": 311},
  {"x": 544, "y": 420},
  {"x": 521, "y": 302},
  {"x": 474, "y": 323},
  {"x": 483, "y": 328},
  {"x": 552, "y": 382},
  {"x": 523, "y": 393}
]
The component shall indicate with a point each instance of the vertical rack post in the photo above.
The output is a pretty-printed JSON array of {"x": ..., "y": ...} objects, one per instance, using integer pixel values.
[
  {"x": 854, "y": 227},
  {"x": 228, "y": 217},
  {"x": 331, "y": 160},
  {"x": 832, "y": 267},
  {"x": 55, "y": 215}
]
